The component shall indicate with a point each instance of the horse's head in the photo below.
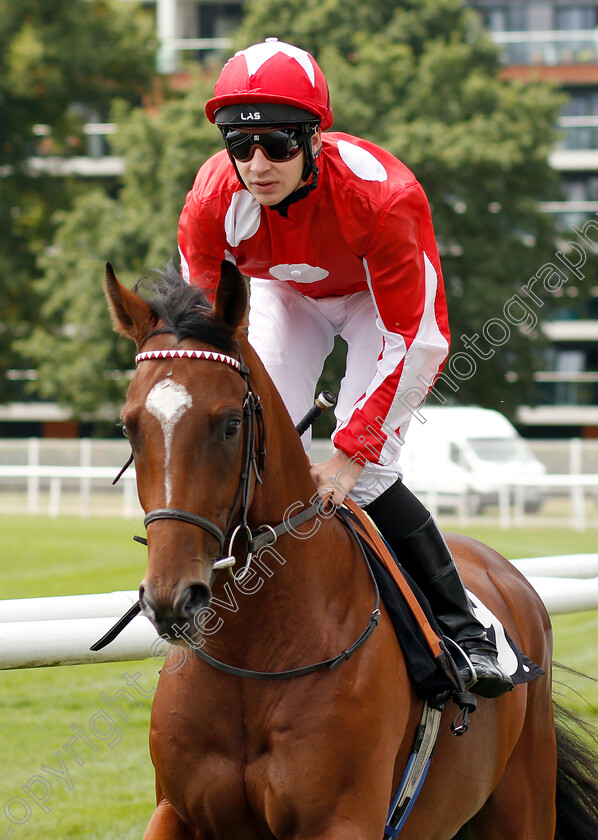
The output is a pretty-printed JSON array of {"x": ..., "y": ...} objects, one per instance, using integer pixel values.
[{"x": 190, "y": 420}]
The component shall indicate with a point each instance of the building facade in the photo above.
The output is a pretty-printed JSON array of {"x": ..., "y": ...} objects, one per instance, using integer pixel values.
[
  {"x": 554, "y": 41},
  {"x": 558, "y": 42}
]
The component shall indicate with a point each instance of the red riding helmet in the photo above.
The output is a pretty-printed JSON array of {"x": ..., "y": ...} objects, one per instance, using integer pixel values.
[{"x": 271, "y": 73}]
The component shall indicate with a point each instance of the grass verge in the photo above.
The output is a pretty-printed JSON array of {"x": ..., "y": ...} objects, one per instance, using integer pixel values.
[{"x": 106, "y": 793}]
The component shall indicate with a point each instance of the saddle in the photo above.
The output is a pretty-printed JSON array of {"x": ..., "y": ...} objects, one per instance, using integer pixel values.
[{"x": 429, "y": 660}]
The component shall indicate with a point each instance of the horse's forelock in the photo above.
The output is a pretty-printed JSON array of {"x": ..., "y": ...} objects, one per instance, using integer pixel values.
[{"x": 184, "y": 309}]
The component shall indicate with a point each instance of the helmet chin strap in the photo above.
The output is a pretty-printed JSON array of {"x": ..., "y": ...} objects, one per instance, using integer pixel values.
[{"x": 283, "y": 206}]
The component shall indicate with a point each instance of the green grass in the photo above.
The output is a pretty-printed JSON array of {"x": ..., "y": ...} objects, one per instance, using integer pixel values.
[
  {"x": 40, "y": 557},
  {"x": 112, "y": 793},
  {"x": 529, "y": 541}
]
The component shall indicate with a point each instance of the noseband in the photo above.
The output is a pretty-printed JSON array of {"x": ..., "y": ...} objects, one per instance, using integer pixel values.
[{"x": 254, "y": 454}]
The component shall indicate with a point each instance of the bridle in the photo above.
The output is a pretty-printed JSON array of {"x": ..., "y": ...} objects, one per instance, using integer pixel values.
[
  {"x": 253, "y": 463},
  {"x": 253, "y": 460}
]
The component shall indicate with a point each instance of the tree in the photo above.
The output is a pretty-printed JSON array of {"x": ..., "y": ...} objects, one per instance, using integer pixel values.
[
  {"x": 60, "y": 61},
  {"x": 422, "y": 79},
  {"x": 80, "y": 361}
]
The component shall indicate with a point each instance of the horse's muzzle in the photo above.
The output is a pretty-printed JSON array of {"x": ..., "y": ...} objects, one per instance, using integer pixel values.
[{"x": 179, "y": 622}]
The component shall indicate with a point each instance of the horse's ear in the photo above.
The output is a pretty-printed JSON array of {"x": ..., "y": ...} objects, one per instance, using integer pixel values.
[
  {"x": 230, "y": 304},
  {"x": 131, "y": 315}
]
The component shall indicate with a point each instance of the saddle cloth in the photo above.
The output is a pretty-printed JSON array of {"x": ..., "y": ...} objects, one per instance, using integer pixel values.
[{"x": 416, "y": 629}]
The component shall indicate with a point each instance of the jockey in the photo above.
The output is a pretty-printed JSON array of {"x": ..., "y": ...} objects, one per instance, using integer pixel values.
[{"x": 337, "y": 238}]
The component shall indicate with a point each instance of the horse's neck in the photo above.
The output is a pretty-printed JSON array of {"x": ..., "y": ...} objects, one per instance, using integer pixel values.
[
  {"x": 304, "y": 597},
  {"x": 287, "y": 485},
  {"x": 286, "y": 480},
  {"x": 287, "y": 489}
]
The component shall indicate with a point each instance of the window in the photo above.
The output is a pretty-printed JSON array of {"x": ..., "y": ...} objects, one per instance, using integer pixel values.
[
  {"x": 218, "y": 20},
  {"x": 581, "y": 189},
  {"x": 583, "y": 103},
  {"x": 576, "y": 17},
  {"x": 456, "y": 455},
  {"x": 513, "y": 18},
  {"x": 496, "y": 20},
  {"x": 500, "y": 449}
]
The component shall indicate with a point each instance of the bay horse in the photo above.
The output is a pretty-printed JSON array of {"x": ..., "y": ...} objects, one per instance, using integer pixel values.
[{"x": 316, "y": 755}]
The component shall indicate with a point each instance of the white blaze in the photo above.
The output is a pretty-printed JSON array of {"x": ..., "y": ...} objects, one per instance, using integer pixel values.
[{"x": 168, "y": 401}]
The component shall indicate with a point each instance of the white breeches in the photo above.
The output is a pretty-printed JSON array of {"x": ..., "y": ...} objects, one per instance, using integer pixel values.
[{"x": 293, "y": 335}]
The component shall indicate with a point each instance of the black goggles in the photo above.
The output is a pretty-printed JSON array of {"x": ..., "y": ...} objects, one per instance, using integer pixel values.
[{"x": 278, "y": 145}]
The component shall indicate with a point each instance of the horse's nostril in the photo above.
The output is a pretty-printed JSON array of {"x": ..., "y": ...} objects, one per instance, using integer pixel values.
[
  {"x": 195, "y": 598},
  {"x": 143, "y": 598},
  {"x": 141, "y": 592},
  {"x": 148, "y": 607}
]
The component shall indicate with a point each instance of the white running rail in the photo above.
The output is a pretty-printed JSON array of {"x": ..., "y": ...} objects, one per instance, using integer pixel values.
[{"x": 41, "y": 632}]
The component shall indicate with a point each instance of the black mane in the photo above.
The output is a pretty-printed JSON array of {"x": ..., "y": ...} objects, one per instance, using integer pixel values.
[{"x": 184, "y": 309}]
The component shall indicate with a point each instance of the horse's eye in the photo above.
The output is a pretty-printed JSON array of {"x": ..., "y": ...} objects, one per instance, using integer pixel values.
[
  {"x": 231, "y": 428},
  {"x": 124, "y": 430}
]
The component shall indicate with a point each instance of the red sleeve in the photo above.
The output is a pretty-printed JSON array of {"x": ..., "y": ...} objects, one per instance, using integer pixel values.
[
  {"x": 200, "y": 252},
  {"x": 201, "y": 236},
  {"x": 405, "y": 281}
]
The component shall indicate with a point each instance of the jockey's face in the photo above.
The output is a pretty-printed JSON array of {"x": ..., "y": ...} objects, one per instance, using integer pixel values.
[{"x": 270, "y": 182}]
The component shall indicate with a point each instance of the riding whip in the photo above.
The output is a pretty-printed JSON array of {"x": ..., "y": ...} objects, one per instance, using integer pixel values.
[{"x": 323, "y": 401}]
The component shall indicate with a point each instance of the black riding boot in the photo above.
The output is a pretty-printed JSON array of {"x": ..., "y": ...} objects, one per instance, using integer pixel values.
[{"x": 426, "y": 557}]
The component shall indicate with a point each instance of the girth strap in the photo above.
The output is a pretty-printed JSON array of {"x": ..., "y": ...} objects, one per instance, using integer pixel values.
[{"x": 415, "y": 772}]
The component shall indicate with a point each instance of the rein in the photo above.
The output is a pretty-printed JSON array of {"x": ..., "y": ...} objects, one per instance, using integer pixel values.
[{"x": 331, "y": 663}]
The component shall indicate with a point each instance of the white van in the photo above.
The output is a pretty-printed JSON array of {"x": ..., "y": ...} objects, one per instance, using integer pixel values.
[{"x": 467, "y": 446}]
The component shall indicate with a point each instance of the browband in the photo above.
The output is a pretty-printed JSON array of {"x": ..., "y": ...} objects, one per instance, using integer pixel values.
[{"x": 149, "y": 355}]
